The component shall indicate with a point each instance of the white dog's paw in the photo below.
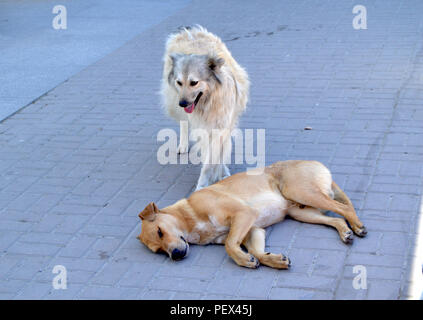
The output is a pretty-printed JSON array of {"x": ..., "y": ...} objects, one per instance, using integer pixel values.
[
  {"x": 224, "y": 177},
  {"x": 223, "y": 173},
  {"x": 182, "y": 148},
  {"x": 226, "y": 173},
  {"x": 200, "y": 186},
  {"x": 202, "y": 183}
]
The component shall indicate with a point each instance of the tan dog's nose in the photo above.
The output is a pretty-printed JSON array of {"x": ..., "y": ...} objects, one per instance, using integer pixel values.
[{"x": 178, "y": 254}]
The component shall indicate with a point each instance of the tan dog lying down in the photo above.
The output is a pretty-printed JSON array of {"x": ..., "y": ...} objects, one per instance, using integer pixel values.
[{"x": 236, "y": 210}]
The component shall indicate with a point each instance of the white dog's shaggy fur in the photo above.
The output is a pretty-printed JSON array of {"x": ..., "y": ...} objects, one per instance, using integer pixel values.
[{"x": 204, "y": 85}]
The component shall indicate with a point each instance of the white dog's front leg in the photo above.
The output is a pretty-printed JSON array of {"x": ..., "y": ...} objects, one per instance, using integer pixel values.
[
  {"x": 212, "y": 173},
  {"x": 206, "y": 176},
  {"x": 224, "y": 172},
  {"x": 226, "y": 149},
  {"x": 183, "y": 137},
  {"x": 218, "y": 153}
]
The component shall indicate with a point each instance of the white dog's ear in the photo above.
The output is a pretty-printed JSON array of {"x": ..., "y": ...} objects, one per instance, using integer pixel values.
[
  {"x": 149, "y": 213},
  {"x": 215, "y": 63},
  {"x": 174, "y": 57}
]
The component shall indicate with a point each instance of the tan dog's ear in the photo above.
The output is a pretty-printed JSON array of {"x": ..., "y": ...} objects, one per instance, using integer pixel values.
[{"x": 149, "y": 213}]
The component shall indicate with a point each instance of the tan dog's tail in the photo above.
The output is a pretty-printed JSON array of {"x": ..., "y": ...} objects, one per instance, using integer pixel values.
[{"x": 339, "y": 195}]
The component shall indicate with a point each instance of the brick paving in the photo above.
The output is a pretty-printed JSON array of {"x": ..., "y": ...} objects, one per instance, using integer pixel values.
[{"x": 78, "y": 164}]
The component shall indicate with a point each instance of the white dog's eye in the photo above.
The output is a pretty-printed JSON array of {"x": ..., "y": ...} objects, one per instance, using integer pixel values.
[
  {"x": 179, "y": 83},
  {"x": 193, "y": 83}
]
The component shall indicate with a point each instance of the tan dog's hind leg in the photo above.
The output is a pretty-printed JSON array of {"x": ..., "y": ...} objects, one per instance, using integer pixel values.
[
  {"x": 313, "y": 215},
  {"x": 240, "y": 226},
  {"x": 311, "y": 195},
  {"x": 355, "y": 223},
  {"x": 255, "y": 243}
]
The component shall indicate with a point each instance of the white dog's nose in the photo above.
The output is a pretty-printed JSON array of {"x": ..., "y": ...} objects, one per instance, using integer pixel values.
[{"x": 183, "y": 103}]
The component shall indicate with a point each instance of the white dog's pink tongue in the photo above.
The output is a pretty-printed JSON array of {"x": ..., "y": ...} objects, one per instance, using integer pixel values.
[{"x": 189, "y": 109}]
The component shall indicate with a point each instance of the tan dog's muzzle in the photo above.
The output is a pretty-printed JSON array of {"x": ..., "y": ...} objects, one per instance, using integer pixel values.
[{"x": 180, "y": 252}]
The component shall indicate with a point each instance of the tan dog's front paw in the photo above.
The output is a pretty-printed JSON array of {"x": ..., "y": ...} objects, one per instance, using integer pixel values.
[
  {"x": 277, "y": 261},
  {"x": 250, "y": 262}
]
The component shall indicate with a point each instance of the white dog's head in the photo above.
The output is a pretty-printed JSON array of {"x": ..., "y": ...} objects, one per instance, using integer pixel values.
[{"x": 194, "y": 77}]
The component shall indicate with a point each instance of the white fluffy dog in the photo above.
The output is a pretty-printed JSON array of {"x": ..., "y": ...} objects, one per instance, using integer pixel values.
[{"x": 204, "y": 85}]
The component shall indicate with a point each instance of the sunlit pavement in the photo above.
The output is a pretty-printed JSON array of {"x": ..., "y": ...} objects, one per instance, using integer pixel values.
[
  {"x": 79, "y": 163},
  {"x": 36, "y": 57}
]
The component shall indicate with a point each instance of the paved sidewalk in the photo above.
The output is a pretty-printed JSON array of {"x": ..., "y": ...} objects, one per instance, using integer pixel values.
[
  {"x": 79, "y": 164},
  {"x": 35, "y": 57}
]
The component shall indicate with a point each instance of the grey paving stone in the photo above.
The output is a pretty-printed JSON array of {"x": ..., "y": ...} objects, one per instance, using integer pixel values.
[
  {"x": 107, "y": 293},
  {"x": 181, "y": 295},
  {"x": 376, "y": 272},
  {"x": 179, "y": 284},
  {"x": 157, "y": 295},
  {"x": 34, "y": 291},
  {"x": 346, "y": 291},
  {"x": 111, "y": 273},
  {"x": 256, "y": 286},
  {"x": 306, "y": 281},
  {"x": 139, "y": 275},
  {"x": 384, "y": 290},
  {"x": 69, "y": 293},
  {"x": 34, "y": 248},
  {"x": 7, "y": 265},
  {"x": 298, "y": 294},
  {"x": 27, "y": 268},
  {"x": 103, "y": 248},
  {"x": 79, "y": 164},
  {"x": 77, "y": 247},
  {"x": 11, "y": 286},
  {"x": 225, "y": 284},
  {"x": 367, "y": 259}
]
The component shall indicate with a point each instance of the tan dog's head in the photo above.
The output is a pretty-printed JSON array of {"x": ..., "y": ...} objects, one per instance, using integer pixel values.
[
  {"x": 194, "y": 77},
  {"x": 161, "y": 232}
]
